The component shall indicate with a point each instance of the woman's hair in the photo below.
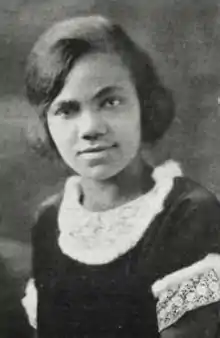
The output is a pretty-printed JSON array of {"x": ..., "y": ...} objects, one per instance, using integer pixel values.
[{"x": 57, "y": 50}]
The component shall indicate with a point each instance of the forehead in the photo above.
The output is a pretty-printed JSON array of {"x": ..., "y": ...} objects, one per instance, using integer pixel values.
[{"x": 94, "y": 72}]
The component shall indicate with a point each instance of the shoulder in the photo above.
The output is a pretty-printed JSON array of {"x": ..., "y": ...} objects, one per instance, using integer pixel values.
[
  {"x": 44, "y": 236},
  {"x": 193, "y": 192},
  {"x": 186, "y": 208},
  {"x": 188, "y": 200},
  {"x": 188, "y": 229},
  {"x": 51, "y": 202},
  {"x": 197, "y": 210},
  {"x": 45, "y": 218},
  {"x": 180, "y": 194}
]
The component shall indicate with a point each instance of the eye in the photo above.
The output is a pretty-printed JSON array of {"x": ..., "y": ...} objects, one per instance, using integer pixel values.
[
  {"x": 111, "y": 102},
  {"x": 67, "y": 109},
  {"x": 62, "y": 112}
]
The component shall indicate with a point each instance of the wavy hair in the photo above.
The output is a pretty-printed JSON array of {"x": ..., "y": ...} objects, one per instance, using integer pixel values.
[{"x": 62, "y": 45}]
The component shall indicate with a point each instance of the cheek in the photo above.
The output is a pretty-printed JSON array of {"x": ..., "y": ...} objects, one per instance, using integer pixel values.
[
  {"x": 62, "y": 133},
  {"x": 131, "y": 139},
  {"x": 130, "y": 129}
]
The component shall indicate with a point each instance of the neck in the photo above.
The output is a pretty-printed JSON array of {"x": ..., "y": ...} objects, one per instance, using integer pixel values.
[{"x": 115, "y": 191}]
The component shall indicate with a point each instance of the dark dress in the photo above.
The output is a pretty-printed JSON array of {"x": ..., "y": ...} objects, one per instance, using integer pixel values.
[
  {"x": 13, "y": 322},
  {"x": 116, "y": 299}
]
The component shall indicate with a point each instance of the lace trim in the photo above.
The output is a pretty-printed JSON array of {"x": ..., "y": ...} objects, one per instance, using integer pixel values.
[
  {"x": 101, "y": 237},
  {"x": 201, "y": 290}
]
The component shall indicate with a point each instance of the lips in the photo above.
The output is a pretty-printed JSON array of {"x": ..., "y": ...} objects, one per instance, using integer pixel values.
[{"x": 96, "y": 149}]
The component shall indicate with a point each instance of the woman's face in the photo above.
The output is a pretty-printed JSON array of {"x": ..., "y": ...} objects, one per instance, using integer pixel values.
[{"x": 95, "y": 120}]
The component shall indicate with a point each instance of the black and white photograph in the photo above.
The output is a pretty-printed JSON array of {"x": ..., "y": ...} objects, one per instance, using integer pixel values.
[{"x": 110, "y": 169}]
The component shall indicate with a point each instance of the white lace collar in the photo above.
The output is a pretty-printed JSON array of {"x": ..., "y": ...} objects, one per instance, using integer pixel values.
[{"x": 100, "y": 237}]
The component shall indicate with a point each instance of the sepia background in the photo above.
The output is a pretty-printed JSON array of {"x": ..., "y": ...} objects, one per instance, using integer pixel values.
[{"x": 183, "y": 37}]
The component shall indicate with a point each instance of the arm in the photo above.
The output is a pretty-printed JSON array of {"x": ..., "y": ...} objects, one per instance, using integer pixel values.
[
  {"x": 188, "y": 296},
  {"x": 40, "y": 233},
  {"x": 188, "y": 300},
  {"x": 201, "y": 323}
]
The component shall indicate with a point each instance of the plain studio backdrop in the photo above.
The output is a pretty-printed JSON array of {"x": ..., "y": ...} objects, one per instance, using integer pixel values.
[{"x": 183, "y": 37}]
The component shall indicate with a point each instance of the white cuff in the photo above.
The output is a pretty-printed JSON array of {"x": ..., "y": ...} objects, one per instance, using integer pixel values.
[
  {"x": 186, "y": 290},
  {"x": 29, "y": 302}
]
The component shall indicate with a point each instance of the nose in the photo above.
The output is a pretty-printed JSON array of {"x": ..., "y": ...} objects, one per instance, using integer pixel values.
[{"x": 91, "y": 125}]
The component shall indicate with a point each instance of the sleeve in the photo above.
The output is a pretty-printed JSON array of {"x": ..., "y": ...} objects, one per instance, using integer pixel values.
[
  {"x": 41, "y": 231},
  {"x": 200, "y": 323},
  {"x": 188, "y": 298},
  {"x": 13, "y": 321}
]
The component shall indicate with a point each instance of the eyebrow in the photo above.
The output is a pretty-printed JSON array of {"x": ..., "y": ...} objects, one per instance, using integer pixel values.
[
  {"x": 105, "y": 91},
  {"x": 69, "y": 104},
  {"x": 73, "y": 104}
]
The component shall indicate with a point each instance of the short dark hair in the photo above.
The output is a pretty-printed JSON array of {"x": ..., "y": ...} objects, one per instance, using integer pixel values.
[{"x": 56, "y": 51}]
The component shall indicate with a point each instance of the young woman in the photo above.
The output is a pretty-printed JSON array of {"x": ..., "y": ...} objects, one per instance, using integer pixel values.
[{"x": 125, "y": 250}]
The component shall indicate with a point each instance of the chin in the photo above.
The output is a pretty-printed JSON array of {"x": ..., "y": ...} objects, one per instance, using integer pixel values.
[{"x": 99, "y": 173}]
